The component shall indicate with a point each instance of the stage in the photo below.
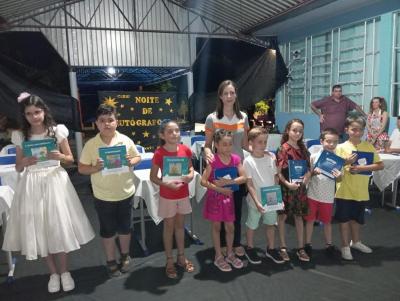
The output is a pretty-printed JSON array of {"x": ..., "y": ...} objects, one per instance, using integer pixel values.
[{"x": 369, "y": 277}]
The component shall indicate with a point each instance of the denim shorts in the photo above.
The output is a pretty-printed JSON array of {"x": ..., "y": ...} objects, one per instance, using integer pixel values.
[{"x": 114, "y": 217}]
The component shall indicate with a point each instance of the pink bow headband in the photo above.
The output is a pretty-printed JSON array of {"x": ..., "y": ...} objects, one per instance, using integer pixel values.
[{"x": 23, "y": 96}]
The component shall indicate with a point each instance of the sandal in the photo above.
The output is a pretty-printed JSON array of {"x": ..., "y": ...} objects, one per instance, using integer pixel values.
[
  {"x": 302, "y": 255},
  {"x": 234, "y": 261},
  {"x": 284, "y": 254},
  {"x": 222, "y": 264},
  {"x": 188, "y": 266},
  {"x": 113, "y": 269},
  {"x": 239, "y": 251},
  {"x": 170, "y": 270}
]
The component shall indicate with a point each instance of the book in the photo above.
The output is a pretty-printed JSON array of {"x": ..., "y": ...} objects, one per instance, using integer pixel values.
[
  {"x": 40, "y": 149},
  {"x": 329, "y": 161},
  {"x": 297, "y": 170},
  {"x": 227, "y": 173},
  {"x": 174, "y": 168},
  {"x": 114, "y": 158},
  {"x": 364, "y": 158},
  {"x": 271, "y": 198}
]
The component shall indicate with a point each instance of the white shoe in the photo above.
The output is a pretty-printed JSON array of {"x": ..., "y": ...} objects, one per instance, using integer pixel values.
[
  {"x": 54, "y": 283},
  {"x": 360, "y": 247},
  {"x": 67, "y": 282},
  {"x": 346, "y": 253}
]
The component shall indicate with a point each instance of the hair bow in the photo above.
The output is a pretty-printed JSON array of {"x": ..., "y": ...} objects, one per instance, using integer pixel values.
[{"x": 23, "y": 96}]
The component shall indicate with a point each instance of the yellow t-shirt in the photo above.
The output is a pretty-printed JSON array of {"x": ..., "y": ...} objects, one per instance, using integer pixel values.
[
  {"x": 113, "y": 187},
  {"x": 354, "y": 186}
]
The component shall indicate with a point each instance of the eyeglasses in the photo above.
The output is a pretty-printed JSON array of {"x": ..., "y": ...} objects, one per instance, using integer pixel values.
[{"x": 34, "y": 113}]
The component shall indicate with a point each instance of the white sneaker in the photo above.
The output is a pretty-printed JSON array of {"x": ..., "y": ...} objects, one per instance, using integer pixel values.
[
  {"x": 54, "y": 283},
  {"x": 67, "y": 282},
  {"x": 346, "y": 253},
  {"x": 360, "y": 247}
]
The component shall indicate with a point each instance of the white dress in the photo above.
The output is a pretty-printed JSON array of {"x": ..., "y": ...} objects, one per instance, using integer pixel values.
[{"x": 46, "y": 216}]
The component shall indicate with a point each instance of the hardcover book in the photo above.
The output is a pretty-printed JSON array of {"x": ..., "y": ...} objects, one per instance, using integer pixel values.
[
  {"x": 297, "y": 170},
  {"x": 174, "y": 168},
  {"x": 364, "y": 158},
  {"x": 114, "y": 158},
  {"x": 227, "y": 173},
  {"x": 271, "y": 198},
  {"x": 327, "y": 162},
  {"x": 40, "y": 149}
]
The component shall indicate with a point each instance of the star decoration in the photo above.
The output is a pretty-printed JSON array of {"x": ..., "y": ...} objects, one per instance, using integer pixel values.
[
  {"x": 133, "y": 133},
  {"x": 168, "y": 101},
  {"x": 160, "y": 109},
  {"x": 171, "y": 110},
  {"x": 122, "y": 106},
  {"x": 138, "y": 142},
  {"x": 132, "y": 109},
  {"x": 110, "y": 102},
  {"x": 146, "y": 134}
]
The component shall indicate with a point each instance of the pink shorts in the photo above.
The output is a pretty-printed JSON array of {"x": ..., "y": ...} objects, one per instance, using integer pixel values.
[
  {"x": 319, "y": 211},
  {"x": 169, "y": 208}
]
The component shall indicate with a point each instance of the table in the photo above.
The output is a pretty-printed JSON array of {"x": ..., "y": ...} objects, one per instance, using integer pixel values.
[
  {"x": 389, "y": 175},
  {"x": 148, "y": 192},
  {"x": 9, "y": 176},
  {"x": 6, "y": 197}
]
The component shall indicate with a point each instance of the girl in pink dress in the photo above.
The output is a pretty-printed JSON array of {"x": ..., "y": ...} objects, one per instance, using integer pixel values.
[{"x": 219, "y": 204}]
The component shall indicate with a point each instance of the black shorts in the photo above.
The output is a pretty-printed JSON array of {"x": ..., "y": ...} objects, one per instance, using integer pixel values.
[
  {"x": 114, "y": 217},
  {"x": 347, "y": 210}
]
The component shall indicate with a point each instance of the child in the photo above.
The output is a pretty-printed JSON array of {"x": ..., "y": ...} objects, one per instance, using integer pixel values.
[
  {"x": 219, "y": 204},
  {"x": 174, "y": 196},
  {"x": 352, "y": 192},
  {"x": 321, "y": 194},
  {"x": 294, "y": 194},
  {"x": 112, "y": 192},
  {"x": 394, "y": 141},
  {"x": 46, "y": 217},
  {"x": 261, "y": 171}
]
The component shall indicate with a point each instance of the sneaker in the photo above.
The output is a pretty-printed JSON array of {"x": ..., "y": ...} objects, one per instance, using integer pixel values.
[
  {"x": 330, "y": 250},
  {"x": 308, "y": 249},
  {"x": 113, "y": 269},
  {"x": 54, "y": 283},
  {"x": 346, "y": 253},
  {"x": 302, "y": 255},
  {"x": 126, "y": 264},
  {"x": 67, "y": 282},
  {"x": 234, "y": 261},
  {"x": 274, "y": 255},
  {"x": 222, "y": 264},
  {"x": 284, "y": 254},
  {"x": 252, "y": 256},
  {"x": 360, "y": 247},
  {"x": 239, "y": 251}
]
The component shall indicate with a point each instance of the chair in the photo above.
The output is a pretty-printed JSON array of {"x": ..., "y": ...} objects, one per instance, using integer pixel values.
[
  {"x": 140, "y": 149},
  {"x": 144, "y": 164},
  {"x": 196, "y": 138},
  {"x": 312, "y": 142},
  {"x": 8, "y": 159}
]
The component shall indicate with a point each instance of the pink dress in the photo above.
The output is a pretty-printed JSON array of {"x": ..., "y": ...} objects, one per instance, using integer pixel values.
[
  {"x": 375, "y": 124},
  {"x": 219, "y": 207}
]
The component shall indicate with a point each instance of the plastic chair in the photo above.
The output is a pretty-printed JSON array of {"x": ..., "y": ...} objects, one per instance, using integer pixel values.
[
  {"x": 193, "y": 139},
  {"x": 8, "y": 159},
  {"x": 312, "y": 142},
  {"x": 8, "y": 149},
  {"x": 140, "y": 149},
  {"x": 144, "y": 164}
]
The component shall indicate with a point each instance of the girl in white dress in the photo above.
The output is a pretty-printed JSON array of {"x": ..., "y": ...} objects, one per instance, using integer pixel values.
[{"x": 46, "y": 216}]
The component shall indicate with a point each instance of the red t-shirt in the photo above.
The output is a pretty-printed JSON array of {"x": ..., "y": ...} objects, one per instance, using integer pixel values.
[{"x": 183, "y": 151}]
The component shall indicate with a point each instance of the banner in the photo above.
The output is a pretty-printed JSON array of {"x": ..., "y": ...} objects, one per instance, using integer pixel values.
[{"x": 139, "y": 114}]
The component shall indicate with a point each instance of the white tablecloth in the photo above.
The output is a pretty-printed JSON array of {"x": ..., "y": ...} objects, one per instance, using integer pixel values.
[
  {"x": 383, "y": 178},
  {"x": 8, "y": 175},
  {"x": 149, "y": 192}
]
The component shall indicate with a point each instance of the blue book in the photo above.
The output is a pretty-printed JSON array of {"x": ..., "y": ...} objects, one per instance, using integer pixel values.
[
  {"x": 297, "y": 170},
  {"x": 40, "y": 149},
  {"x": 364, "y": 158},
  {"x": 114, "y": 158},
  {"x": 227, "y": 173},
  {"x": 271, "y": 198},
  {"x": 174, "y": 168},
  {"x": 327, "y": 162}
]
